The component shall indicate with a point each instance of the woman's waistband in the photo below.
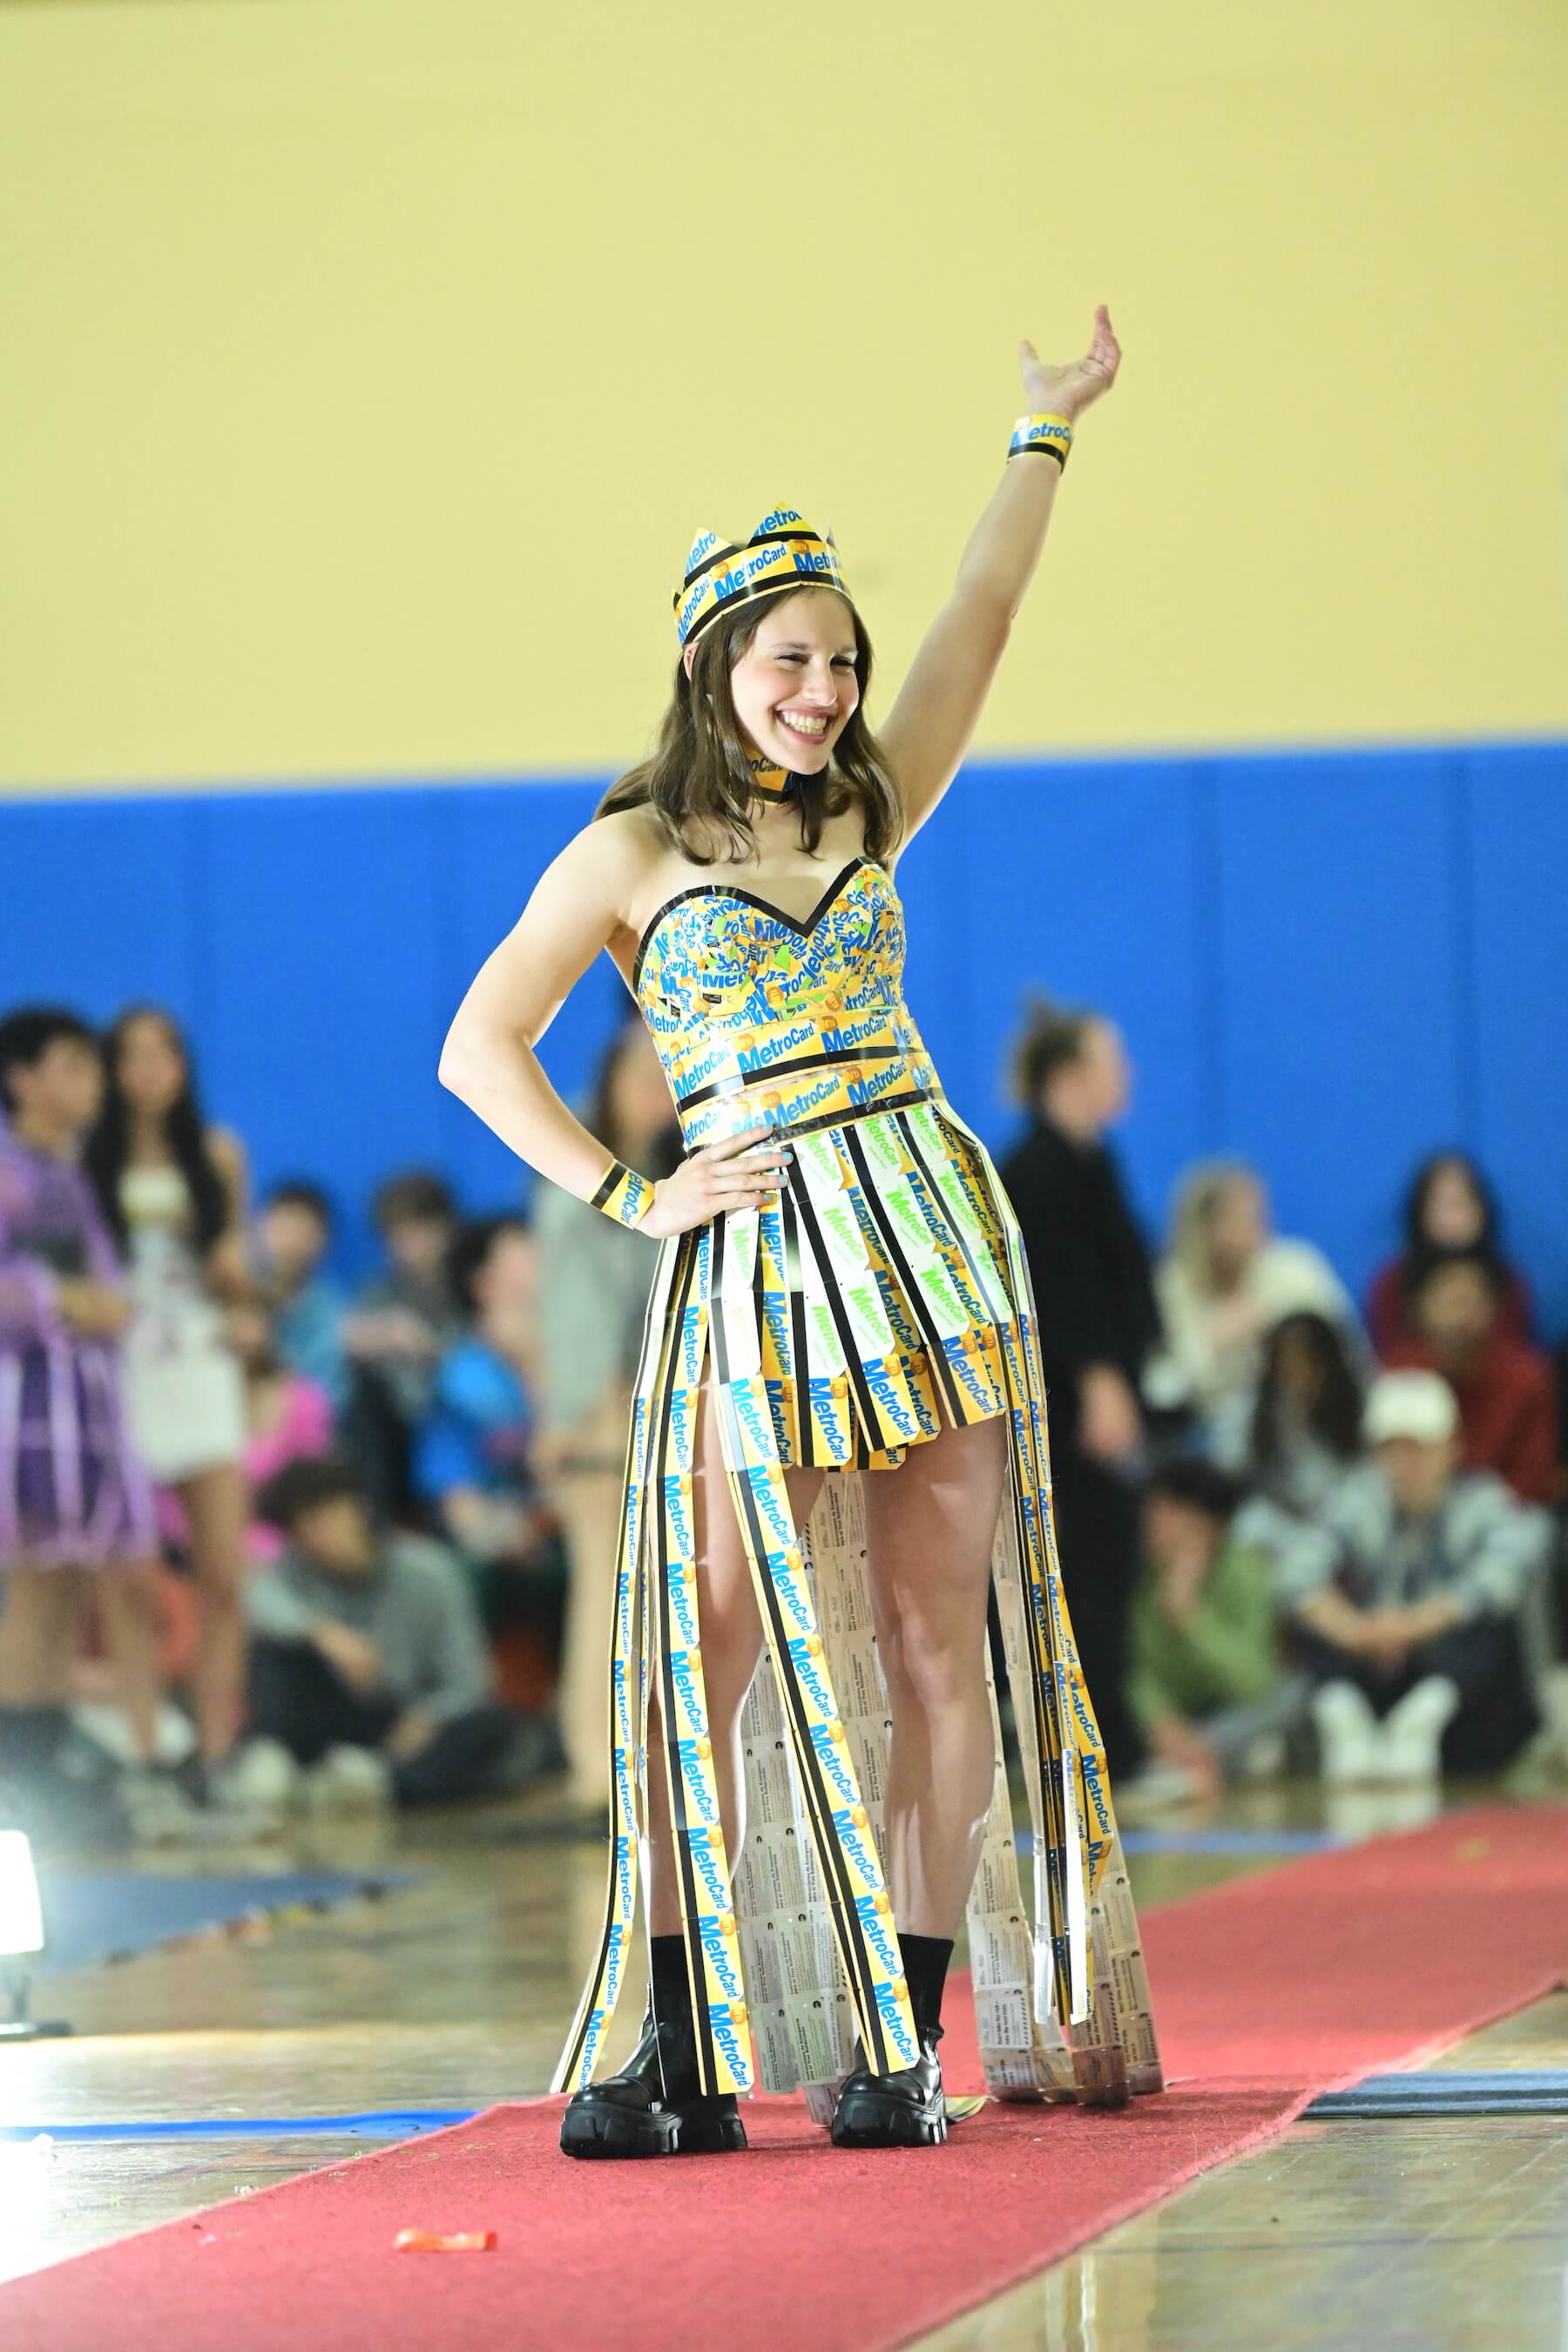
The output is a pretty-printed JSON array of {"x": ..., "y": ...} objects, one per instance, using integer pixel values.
[{"x": 819, "y": 1090}]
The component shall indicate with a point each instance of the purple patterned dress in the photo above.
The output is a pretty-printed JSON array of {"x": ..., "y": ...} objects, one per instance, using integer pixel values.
[{"x": 72, "y": 1493}]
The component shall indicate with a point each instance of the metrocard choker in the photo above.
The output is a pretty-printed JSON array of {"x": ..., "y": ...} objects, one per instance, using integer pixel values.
[{"x": 771, "y": 782}]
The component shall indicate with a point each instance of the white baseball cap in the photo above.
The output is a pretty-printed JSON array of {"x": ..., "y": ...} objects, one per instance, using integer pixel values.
[{"x": 1410, "y": 1404}]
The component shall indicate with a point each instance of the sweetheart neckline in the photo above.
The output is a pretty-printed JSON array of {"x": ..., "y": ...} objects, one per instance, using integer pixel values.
[{"x": 803, "y": 924}]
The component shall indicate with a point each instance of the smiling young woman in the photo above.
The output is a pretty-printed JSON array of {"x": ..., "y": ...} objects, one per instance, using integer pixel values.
[{"x": 837, "y": 1446}]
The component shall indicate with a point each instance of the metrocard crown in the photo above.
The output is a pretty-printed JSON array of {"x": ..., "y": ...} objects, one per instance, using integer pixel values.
[{"x": 783, "y": 551}]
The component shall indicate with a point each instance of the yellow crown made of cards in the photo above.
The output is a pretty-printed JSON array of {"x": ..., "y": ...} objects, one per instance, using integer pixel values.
[{"x": 783, "y": 551}]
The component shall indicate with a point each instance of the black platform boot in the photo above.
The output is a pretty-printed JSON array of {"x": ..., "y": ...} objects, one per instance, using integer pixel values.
[
  {"x": 654, "y": 2106},
  {"x": 902, "y": 2110},
  {"x": 905, "y": 2109}
]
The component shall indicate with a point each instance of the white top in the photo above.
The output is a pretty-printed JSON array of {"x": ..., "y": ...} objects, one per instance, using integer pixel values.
[
  {"x": 1212, "y": 1351},
  {"x": 174, "y": 1311}
]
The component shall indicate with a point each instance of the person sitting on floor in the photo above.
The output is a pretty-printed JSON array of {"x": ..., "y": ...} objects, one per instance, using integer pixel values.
[
  {"x": 293, "y": 1235},
  {"x": 1207, "y": 1684},
  {"x": 1407, "y": 1612},
  {"x": 1506, "y": 1391},
  {"x": 368, "y": 1663},
  {"x": 1227, "y": 1279},
  {"x": 1449, "y": 1208},
  {"x": 1296, "y": 1436},
  {"x": 401, "y": 1326}
]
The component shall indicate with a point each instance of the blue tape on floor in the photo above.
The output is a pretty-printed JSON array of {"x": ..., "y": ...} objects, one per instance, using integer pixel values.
[
  {"x": 1518, "y": 2091},
  {"x": 90, "y": 1916},
  {"x": 383, "y": 2123}
]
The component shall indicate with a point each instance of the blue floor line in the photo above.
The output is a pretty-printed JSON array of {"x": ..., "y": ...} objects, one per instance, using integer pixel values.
[
  {"x": 1516, "y": 2090},
  {"x": 380, "y": 2123}
]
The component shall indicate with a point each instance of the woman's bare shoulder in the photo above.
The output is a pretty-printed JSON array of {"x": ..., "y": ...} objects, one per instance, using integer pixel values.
[{"x": 611, "y": 862}]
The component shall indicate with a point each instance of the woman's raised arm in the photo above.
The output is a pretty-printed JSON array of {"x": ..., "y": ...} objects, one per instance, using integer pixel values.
[{"x": 930, "y": 725}]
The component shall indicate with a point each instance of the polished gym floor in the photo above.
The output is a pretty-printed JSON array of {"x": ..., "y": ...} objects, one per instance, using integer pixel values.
[{"x": 454, "y": 1992}]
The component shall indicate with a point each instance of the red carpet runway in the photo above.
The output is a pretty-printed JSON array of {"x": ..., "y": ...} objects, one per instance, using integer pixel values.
[{"x": 1268, "y": 1992}]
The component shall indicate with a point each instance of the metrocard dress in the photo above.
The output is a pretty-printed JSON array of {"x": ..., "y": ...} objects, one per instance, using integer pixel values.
[{"x": 882, "y": 1294}]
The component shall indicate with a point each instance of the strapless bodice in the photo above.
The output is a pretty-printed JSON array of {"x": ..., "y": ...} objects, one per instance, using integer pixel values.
[{"x": 757, "y": 1015}]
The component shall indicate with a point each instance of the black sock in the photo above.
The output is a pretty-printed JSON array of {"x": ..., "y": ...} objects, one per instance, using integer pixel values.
[
  {"x": 671, "y": 1989},
  {"x": 29, "y": 1737},
  {"x": 670, "y": 1985},
  {"x": 925, "y": 1971}
]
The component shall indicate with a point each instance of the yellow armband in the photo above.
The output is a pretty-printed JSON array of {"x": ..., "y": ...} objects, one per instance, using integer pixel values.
[
  {"x": 1052, "y": 435},
  {"x": 624, "y": 1194}
]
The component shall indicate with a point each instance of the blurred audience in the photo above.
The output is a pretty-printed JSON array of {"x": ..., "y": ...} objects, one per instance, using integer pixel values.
[
  {"x": 1224, "y": 1284},
  {"x": 1506, "y": 1389},
  {"x": 1100, "y": 1325},
  {"x": 471, "y": 1462},
  {"x": 286, "y": 1417},
  {"x": 1208, "y": 1681},
  {"x": 594, "y": 1282},
  {"x": 402, "y": 1324},
  {"x": 1407, "y": 1614},
  {"x": 369, "y": 1672},
  {"x": 293, "y": 1235},
  {"x": 1449, "y": 1209},
  {"x": 172, "y": 1189},
  {"x": 480, "y": 1387},
  {"x": 73, "y": 1494},
  {"x": 1294, "y": 1438}
]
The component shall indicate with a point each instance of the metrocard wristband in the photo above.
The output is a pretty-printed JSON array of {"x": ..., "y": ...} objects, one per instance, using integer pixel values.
[
  {"x": 624, "y": 1194},
  {"x": 1052, "y": 435}
]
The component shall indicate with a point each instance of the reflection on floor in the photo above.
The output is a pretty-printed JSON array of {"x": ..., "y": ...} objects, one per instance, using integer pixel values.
[{"x": 456, "y": 1991}]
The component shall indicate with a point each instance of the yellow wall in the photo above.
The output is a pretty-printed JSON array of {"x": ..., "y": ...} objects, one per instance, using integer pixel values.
[{"x": 366, "y": 368}]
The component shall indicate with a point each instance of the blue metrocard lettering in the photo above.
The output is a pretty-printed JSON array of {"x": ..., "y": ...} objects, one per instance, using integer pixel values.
[
  {"x": 893, "y": 2025},
  {"x": 705, "y": 1867},
  {"x": 770, "y": 1050},
  {"x": 697, "y": 1778},
  {"x": 809, "y": 1674},
  {"x": 853, "y": 1840},
  {"x": 830, "y": 1756},
  {"x": 720, "y": 1957},
  {"x": 874, "y": 1927}
]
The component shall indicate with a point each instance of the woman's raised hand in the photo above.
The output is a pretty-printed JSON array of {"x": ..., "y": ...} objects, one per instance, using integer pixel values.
[
  {"x": 723, "y": 1176},
  {"x": 1067, "y": 391}
]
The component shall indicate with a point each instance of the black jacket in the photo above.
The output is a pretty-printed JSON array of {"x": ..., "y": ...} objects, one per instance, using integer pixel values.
[{"x": 1093, "y": 1289}]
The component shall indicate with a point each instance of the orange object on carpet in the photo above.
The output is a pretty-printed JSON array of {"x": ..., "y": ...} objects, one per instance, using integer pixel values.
[{"x": 1268, "y": 1992}]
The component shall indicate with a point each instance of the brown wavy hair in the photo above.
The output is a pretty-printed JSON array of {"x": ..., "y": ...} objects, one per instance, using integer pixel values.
[{"x": 698, "y": 782}]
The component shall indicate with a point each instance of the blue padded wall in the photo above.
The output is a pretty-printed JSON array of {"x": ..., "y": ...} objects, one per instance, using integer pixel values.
[{"x": 1326, "y": 962}]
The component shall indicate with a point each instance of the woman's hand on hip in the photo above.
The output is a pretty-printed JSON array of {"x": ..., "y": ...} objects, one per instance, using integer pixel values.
[
  {"x": 1067, "y": 390},
  {"x": 739, "y": 1173}
]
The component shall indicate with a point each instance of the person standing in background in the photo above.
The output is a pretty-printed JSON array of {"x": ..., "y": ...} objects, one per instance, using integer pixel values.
[
  {"x": 1098, "y": 1324},
  {"x": 594, "y": 1281},
  {"x": 173, "y": 1190},
  {"x": 73, "y": 1494}
]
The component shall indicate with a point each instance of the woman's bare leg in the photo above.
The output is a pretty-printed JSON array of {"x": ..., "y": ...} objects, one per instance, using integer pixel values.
[
  {"x": 930, "y": 1526},
  {"x": 39, "y": 1636},
  {"x": 129, "y": 1600},
  {"x": 588, "y": 1503},
  {"x": 732, "y": 1644},
  {"x": 217, "y": 1506}
]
